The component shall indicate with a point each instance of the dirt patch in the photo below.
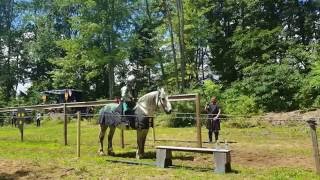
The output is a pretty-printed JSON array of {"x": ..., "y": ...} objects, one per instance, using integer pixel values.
[
  {"x": 252, "y": 159},
  {"x": 265, "y": 160},
  {"x": 293, "y": 116},
  {"x": 14, "y": 169}
]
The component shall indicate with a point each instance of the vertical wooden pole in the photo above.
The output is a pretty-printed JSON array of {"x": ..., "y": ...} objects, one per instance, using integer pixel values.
[
  {"x": 21, "y": 133},
  {"x": 312, "y": 124},
  {"x": 65, "y": 119},
  {"x": 78, "y": 133},
  {"x": 153, "y": 132},
  {"x": 122, "y": 138},
  {"x": 199, "y": 139}
]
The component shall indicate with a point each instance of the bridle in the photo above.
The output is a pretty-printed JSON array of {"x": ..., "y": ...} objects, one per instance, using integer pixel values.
[
  {"x": 157, "y": 101},
  {"x": 159, "y": 93}
]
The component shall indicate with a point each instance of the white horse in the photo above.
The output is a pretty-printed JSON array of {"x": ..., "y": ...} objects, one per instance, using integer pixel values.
[{"x": 139, "y": 120}]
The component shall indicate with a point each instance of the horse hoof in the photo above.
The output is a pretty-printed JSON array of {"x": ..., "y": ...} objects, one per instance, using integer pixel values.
[
  {"x": 101, "y": 153},
  {"x": 139, "y": 156},
  {"x": 111, "y": 153}
]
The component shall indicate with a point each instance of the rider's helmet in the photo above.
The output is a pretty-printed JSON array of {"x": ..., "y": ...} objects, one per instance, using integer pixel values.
[{"x": 131, "y": 80}]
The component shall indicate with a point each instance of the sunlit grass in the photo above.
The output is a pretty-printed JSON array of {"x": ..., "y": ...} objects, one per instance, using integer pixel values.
[{"x": 45, "y": 146}]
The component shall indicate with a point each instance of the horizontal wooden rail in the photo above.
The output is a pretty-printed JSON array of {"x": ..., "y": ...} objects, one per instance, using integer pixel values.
[
  {"x": 182, "y": 97},
  {"x": 60, "y": 106},
  {"x": 173, "y": 98}
]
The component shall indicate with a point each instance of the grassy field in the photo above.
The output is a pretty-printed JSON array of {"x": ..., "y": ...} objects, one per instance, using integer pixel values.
[{"x": 258, "y": 153}]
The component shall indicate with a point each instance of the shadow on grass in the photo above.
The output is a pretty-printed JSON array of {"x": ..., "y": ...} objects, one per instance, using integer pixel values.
[
  {"x": 196, "y": 169},
  {"x": 201, "y": 169},
  {"x": 151, "y": 155},
  {"x": 16, "y": 175},
  {"x": 147, "y": 155}
]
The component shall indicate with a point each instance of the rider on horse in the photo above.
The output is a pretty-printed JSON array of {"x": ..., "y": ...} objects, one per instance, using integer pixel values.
[{"x": 128, "y": 95}]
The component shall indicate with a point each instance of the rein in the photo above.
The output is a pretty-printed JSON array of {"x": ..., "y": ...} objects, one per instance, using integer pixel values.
[{"x": 159, "y": 101}]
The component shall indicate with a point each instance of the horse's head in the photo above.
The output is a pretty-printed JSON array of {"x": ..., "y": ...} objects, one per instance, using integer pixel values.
[{"x": 162, "y": 101}]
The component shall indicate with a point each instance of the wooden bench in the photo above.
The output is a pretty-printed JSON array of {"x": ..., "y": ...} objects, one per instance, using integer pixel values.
[{"x": 222, "y": 157}]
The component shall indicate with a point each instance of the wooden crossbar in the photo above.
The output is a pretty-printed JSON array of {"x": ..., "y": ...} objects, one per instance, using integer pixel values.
[{"x": 191, "y": 149}]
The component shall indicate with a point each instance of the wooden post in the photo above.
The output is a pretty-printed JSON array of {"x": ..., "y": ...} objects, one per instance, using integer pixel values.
[
  {"x": 21, "y": 133},
  {"x": 312, "y": 124},
  {"x": 65, "y": 119},
  {"x": 199, "y": 139},
  {"x": 122, "y": 138},
  {"x": 78, "y": 133},
  {"x": 153, "y": 132}
]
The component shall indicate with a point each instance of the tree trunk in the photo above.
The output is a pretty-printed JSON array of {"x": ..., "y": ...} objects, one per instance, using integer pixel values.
[
  {"x": 162, "y": 67},
  {"x": 111, "y": 80},
  {"x": 181, "y": 43},
  {"x": 110, "y": 49},
  {"x": 174, "y": 54},
  {"x": 148, "y": 11},
  {"x": 202, "y": 62}
]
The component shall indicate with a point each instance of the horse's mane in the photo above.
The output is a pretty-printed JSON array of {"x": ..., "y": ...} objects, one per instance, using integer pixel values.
[{"x": 149, "y": 97}]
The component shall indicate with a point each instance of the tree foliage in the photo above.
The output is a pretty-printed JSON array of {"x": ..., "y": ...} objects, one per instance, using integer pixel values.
[{"x": 253, "y": 54}]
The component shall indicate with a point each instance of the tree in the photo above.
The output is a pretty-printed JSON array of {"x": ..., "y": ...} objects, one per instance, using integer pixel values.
[
  {"x": 273, "y": 86},
  {"x": 180, "y": 14}
]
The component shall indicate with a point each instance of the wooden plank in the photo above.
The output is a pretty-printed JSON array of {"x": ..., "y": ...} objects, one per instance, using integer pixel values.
[
  {"x": 122, "y": 138},
  {"x": 172, "y": 98},
  {"x": 182, "y": 97},
  {"x": 198, "y": 121},
  {"x": 59, "y": 106},
  {"x": 204, "y": 150},
  {"x": 65, "y": 125},
  {"x": 78, "y": 133},
  {"x": 313, "y": 131}
]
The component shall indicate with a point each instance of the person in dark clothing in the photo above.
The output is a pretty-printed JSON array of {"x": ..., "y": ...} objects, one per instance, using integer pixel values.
[
  {"x": 38, "y": 118},
  {"x": 213, "y": 123},
  {"x": 14, "y": 119}
]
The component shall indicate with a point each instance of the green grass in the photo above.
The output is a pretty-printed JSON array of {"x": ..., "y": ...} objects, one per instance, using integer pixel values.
[{"x": 44, "y": 147}]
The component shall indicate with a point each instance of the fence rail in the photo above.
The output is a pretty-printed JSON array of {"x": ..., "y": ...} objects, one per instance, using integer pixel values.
[{"x": 173, "y": 98}]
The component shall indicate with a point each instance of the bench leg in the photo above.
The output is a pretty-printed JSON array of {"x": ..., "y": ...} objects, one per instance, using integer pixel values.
[
  {"x": 163, "y": 158},
  {"x": 222, "y": 162}
]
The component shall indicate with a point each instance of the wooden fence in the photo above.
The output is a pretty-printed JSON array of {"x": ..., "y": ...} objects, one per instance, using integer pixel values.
[{"x": 173, "y": 98}]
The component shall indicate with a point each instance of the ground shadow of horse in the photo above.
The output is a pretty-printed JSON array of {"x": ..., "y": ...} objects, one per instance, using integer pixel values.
[
  {"x": 132, "y": 154},
  {"x": 16, "y": 175}
]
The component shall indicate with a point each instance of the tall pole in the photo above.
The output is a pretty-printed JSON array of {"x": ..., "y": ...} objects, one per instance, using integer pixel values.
[
  {"x": 313, "y": 124},
  {"x": 153, "y": 131},
  {"x": 199, "y": 139},
  {"x": 78, "y": 133},
  {"x": 122, "y": 138},
  {"x": 65, "y": 124}
]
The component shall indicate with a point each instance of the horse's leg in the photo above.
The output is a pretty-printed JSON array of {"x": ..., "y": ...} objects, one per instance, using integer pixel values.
[
  {"x": 144, "y": 137},
  {"x": 139, "y": 143},
  {"x": 110, "y": 137},
  {"x": 103, "y": 129}
]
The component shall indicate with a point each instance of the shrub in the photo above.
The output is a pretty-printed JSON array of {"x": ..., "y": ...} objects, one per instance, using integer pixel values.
[
  {"x": 244, "y": 122},
  {"x": 235, "y": 103}
]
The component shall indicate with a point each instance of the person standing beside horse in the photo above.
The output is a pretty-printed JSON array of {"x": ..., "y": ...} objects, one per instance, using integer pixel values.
[{"x": 213, "y": 123}]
